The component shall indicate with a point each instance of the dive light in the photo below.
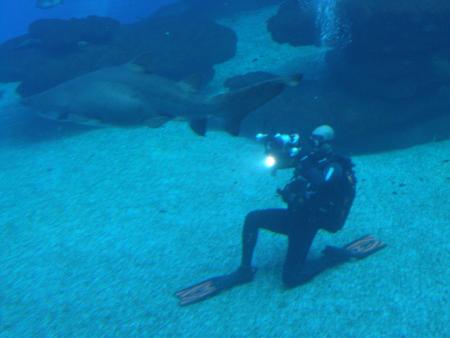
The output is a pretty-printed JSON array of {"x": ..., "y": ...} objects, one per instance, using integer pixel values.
[{"x": 279, "y": 146}]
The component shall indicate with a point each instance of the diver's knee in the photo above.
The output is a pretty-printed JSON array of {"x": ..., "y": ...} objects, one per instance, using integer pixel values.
[{"x": 251, "y": 219}]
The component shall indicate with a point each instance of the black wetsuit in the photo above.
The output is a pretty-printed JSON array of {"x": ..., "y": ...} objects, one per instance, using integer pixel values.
[{"x": 319, "y": 196}]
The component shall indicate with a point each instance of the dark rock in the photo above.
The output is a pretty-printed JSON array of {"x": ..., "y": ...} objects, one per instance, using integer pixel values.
[
  {"x": 294, "y": 23},
  {"x": 388, "y": 78},
  {"x": 385, "y": 28},
  {"x": 60, "y": 35},
  {"x": 179, "y": 47},
  {"x": 38, "y": 69},
  {"x": 222, "y": 8},
  {"x": 362, "y": 123},
  {"x": 59, "y": 50},
  {"x": 397, "y": 51}
]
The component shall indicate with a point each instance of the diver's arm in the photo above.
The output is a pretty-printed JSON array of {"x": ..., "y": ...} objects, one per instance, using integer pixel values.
[{"x": 286, "y": 162}]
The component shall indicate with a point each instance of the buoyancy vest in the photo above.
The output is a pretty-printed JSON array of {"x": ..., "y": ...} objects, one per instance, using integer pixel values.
[{"x": 326, "y": 206}]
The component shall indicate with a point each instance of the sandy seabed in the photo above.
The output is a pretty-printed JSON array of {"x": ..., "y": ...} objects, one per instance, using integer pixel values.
[{"x": 97, "y": 231}]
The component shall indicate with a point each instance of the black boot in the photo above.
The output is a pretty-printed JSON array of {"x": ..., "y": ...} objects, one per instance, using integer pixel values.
[{"x": 242, "y": 275}]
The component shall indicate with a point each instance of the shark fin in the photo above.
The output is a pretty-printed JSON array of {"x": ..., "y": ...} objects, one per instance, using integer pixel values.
[
  {"x": 199, "y": 125},
  {"x": 236, "y": 105},
  {"x": 233, "y": 126}
]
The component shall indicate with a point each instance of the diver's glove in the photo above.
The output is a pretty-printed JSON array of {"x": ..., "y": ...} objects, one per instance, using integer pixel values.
[{"x": 293, "y": 193}]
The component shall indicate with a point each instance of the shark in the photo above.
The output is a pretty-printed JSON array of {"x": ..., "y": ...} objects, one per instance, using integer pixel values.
[{"x": 128, "y": 95}]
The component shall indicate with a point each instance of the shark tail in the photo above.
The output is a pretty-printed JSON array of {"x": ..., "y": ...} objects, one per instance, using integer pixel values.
[{"x": 234, "y": 106}]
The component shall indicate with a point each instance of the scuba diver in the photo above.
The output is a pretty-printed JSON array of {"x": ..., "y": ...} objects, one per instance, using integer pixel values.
[{"x": 318, "y": 196}]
